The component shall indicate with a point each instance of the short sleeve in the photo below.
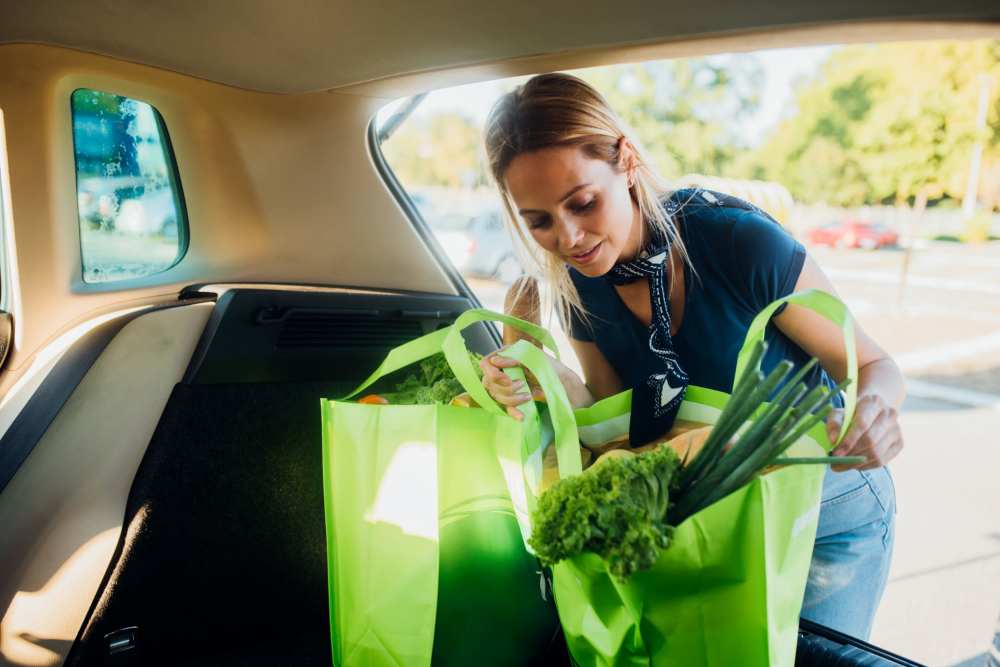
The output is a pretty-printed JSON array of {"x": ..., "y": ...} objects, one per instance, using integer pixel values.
[{"x": 769, "y": 257}]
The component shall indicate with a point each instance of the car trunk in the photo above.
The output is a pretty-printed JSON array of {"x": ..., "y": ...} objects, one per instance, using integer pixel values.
[{"x": 222, "y": 556}]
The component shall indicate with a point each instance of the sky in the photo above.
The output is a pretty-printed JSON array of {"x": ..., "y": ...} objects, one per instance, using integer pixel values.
[{"x": 781, "y": 68}]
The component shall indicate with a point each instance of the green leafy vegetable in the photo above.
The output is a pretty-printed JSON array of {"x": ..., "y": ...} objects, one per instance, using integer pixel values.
[
  {"x": 617, "y": 509},
  {"x": 432, "y": 382},
  {"x": 623, "y": 509}
]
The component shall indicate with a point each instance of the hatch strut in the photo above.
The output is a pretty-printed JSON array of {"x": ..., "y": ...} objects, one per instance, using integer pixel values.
[{"x": 396, "y": 119}]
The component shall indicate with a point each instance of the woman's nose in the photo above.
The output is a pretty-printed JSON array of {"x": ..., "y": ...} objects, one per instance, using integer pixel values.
[{"x": 570, "y": 234}]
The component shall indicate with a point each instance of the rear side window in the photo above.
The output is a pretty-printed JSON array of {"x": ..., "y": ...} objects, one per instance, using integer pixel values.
[{"x": 131, "y": 209}]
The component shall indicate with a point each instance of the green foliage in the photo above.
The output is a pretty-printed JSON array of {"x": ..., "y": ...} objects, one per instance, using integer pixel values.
[
  {"x": 976, "y": 229},
  {"x": 885, "y": 123},
  {"x": 681, "y": 111},
  {"x": 685, "y": 113},
  {"x": 99, "y": 103},
  {"x": 623, "y": 508},
  {"x": 440, "y": 150},
  {"x": 433, "y": 382},
  {"x": 617, "y": 510}
]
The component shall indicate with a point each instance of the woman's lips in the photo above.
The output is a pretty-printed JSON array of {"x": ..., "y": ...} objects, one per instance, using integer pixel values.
[{"x": 587, "y": 257}]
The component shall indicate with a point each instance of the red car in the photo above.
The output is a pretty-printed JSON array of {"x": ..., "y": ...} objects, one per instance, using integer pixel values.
[{"x": 853, "y": 234}]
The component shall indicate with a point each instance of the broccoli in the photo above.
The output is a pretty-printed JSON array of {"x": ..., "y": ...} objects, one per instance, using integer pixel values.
[{"x": 617, "y": 509}]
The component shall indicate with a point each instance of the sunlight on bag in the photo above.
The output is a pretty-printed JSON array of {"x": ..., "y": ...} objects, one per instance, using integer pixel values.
[
  {"x": 729, "y": 588},
  {"x": 407, "y": 493},
  {"x": 426, "y": 559}
]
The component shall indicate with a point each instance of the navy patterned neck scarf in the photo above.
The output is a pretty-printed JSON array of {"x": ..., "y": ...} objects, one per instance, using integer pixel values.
[{"x": 656, "y": 401}]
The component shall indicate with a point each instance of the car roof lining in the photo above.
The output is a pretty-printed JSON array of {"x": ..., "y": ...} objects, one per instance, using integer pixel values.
[
  {"x": 325, "y": 45},
  {"x": 408, "y": 84}
]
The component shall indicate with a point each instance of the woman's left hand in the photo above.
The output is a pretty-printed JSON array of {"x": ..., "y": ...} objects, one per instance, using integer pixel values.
[{"x": 874, "y": 434}]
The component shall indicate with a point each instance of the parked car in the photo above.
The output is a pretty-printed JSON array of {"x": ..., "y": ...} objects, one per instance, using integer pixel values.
[
  {"x": 478, "y": 245},
  {"x": 853, "y": 233}
]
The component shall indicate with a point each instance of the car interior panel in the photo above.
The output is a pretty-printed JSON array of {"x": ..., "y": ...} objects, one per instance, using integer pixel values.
[{"x": 161, "y": 490}]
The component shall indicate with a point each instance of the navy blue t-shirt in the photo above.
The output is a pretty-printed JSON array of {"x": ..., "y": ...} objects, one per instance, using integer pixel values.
[{"x": 742, "y": 259}]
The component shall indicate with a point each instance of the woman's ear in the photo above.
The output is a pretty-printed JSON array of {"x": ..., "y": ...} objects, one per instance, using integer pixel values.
[{"x": 628, "y": 161}]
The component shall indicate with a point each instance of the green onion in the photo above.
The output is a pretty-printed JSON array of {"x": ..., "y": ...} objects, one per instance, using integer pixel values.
[
  {"x": 726, "y": 424},
  {"x": 739, "y": 407},
  {"x": 822, "y": 460},
  {"x": 775, "y": 427}
]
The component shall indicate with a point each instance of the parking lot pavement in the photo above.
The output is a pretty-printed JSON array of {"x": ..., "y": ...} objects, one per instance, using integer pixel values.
[
  {"x": 942, "y": 325},
  {"x": 942, "y": 322},
  {"x": 943, "y": 596}
]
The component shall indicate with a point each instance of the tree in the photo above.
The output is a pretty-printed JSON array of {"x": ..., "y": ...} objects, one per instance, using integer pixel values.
[
  {"x": 442, "y": 149},
  {"x": 685, "y": 113},
  {"x": 886, "y": 123}
]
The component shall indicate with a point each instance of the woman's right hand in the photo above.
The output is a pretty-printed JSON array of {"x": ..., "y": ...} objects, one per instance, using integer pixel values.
[
  {"x": 512, "y": 393},
  {"x": 505, "y": 391}
]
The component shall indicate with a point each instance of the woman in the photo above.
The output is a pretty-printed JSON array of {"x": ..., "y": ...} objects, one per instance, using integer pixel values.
[{"x": 659, "y": 290}]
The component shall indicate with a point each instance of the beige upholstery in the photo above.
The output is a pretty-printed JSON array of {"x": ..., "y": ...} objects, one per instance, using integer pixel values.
[
  {"x": 313, "y": 45},
  {"x": 278, "y": 189},
  {"x": 62, "y": 512}
]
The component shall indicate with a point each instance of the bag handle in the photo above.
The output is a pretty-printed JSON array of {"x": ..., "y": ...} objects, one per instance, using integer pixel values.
[
  {"x": 567, "y": 440},
  {"x": 831, "y": 308},
  {"x": 522, "y": 461},
  {"x": 430, "y": 344},
  {"x": 457, "y": 354}
]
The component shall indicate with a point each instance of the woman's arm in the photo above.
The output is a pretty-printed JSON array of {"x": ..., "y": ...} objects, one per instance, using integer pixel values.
[
  {"x": 523, "y": 301},
  {"x": 875, "y": 432},
  {"x": 511, "y": 394},
  {"x": 602, "y": 380}
]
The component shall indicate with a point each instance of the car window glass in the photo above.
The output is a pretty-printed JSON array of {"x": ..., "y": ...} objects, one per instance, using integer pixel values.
[
  {"x": 131, "y": 213},
  {"x": 883, "y": 160}
]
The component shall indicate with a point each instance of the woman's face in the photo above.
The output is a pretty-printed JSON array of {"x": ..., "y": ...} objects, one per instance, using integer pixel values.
[{"x": 576, "y": 207}]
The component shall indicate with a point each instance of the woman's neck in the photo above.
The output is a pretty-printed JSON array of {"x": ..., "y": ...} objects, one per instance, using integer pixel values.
[{"x": 637, "y": 237}]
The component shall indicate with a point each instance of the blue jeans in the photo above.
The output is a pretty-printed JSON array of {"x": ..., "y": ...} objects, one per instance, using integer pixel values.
[{"x": 853, "y": 549}]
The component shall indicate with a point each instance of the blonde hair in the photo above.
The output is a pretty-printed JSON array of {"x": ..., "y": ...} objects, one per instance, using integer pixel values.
[{"x": 553, "y": 110}]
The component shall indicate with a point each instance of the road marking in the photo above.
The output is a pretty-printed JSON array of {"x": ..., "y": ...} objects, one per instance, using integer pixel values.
[
  {"x": 959, "y": 312},
  {"x": 976, "y": 399},
  {"x": 960, "y": 349},
  {"x": 966, "y": 260},
  {"x": 914, "y": 280},
  {"x": 942, "y": 568}
]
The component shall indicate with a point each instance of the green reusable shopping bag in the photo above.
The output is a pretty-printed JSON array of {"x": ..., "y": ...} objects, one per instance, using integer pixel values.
[
  {"x": 426, "y": 559},
  {"x": 729, "y": 589}
]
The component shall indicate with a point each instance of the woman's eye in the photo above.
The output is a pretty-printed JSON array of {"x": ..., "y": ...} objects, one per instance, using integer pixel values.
[
  {"x": 586, "y": 206},
  {"x": 538, "y": 223}
]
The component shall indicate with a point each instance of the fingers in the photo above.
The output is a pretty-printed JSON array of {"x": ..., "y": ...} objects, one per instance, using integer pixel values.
[
  {"x": 885, "y": 449},
  {"x": 870, "y": 409},
  {"x": 505, "y": 390},
  {"x": 864, "y": 441},
  {"x": 891, "y": 452},
  {"x": 500, "y": 386},
  {"x": 503, "y": 362},
  {"x": 515, "y": 393},
  {"x": 875, "y": 434},
  {"x": 833, "y": 423},
  {"x": 492, "y": 372}
]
